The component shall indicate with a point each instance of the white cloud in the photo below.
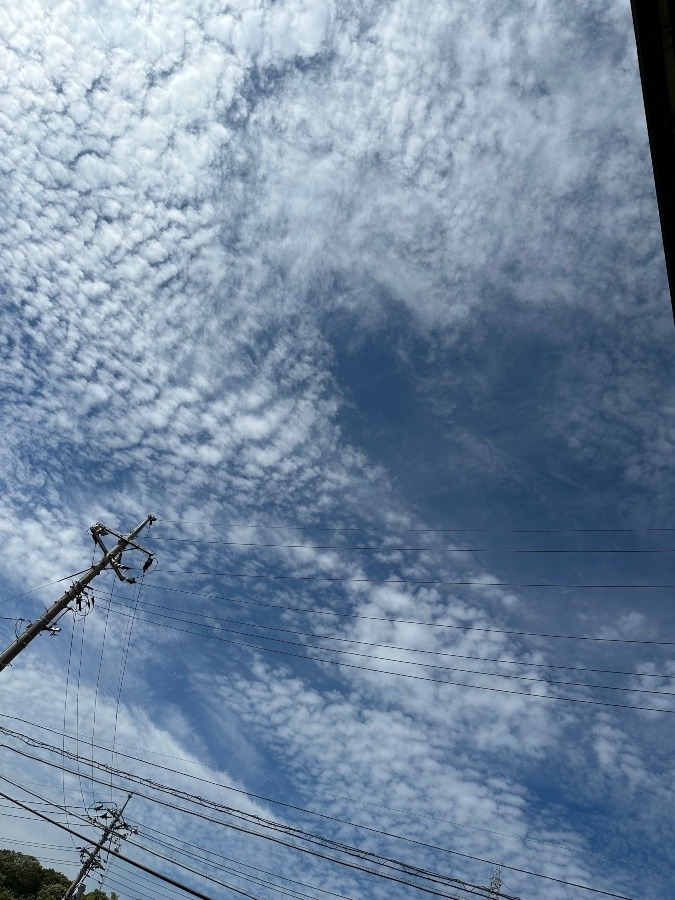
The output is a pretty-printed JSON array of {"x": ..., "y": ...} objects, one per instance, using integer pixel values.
[{"x": 190, "y": 192}]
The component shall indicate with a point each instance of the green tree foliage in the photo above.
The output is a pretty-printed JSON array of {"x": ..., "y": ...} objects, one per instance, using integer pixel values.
[
  {"x": 23, "y": 878},
  {"x": 21, "y": 875},
  {"x": 52, "y": 891},
  {"x": 54, "y": 885}
]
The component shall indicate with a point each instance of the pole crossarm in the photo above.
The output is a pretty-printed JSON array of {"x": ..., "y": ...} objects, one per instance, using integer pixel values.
[{"x": 110, "y": 558}]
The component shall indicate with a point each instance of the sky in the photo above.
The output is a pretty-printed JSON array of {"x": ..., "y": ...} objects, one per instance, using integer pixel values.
[{"x": 382, "y": 285}]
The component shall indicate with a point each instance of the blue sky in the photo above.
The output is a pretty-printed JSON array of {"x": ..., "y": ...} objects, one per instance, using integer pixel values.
[{"x": 313, "y": 265}]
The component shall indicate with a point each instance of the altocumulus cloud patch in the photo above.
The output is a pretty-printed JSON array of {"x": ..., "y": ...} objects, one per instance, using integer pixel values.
[{"x": 209, "y": 210}]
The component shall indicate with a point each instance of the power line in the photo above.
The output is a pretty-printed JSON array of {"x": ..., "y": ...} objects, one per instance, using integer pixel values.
[
  {"x": 466, "y": 888},
  {"x": 403, "y": 529},
  {"x": 510, "y": 662},
  {"x": 77, "y": 698},
  {"x": 399, "y": 674},
  {"x": 290, "y": 831},
  {"x": 211, "y": 878},
  {"x": 295, "y": 806},
  {"x": 116, "y": 879},
  {"x": 24, "y": 818},
  {"x": 65, "y": 715},
  {"x": 131, "y": 887},
  {"x": 199, "y": 859},
  {"x": 159, "y": 856},
  {"x": 127, "y": 645},
  {"x": 26, "y": 843},
  {"x": 98, "y": 674},
  {"x": 9, "y": 805},
  {"x": 116, "y": 853},
  {"x": 275, "y": 576},
  {"x": 277, "y": 802},
  {"x": 345, "y": 615},
  {"x": 246, "y": 793},
  {"x": 405, "y": 662},
  {"x": 213, "y": 805},
  {"x": 415, "y": 549},
  {"x": 185, "y": 843},
  {"x": 319, "y": 840},
  {"x": 360, "y": 868},
  {"x": 42, "y": 586},
  {"x": 50, "y": 860}
]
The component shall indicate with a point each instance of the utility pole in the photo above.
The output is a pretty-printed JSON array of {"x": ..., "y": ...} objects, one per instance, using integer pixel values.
[
  {"x": 112, "y": 558},
  {"x": 496, "y": 883},
  {"x": 116, "y": 828}
]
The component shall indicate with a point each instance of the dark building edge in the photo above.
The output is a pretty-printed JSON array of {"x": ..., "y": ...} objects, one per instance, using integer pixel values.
[{"x": 653, "y": 21}]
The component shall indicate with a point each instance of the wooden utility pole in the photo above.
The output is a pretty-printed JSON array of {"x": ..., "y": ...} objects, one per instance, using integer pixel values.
[{"x": 110, "y": 558}]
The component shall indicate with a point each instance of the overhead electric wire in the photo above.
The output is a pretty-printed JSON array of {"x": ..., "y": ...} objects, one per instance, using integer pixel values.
[
  {"x": 453, "y": 883},
  {"x": 98, "y": 674},
  {"x": 181, "y": 865},
  {"x": 470, "y": 888},
  {"x": 56, "y": 808},
  {"x": 65, "y": 714},
  {"x": 123, "y": 857},
  {"x": 17, "y": 816},
  {"x": 511, "y": 662},
  {"x": 27, "y": 843},
  {"x": 220, "y": 856},
  {"x": 257, "y": 820},
  {"x": 536, "y": 550},
  {"x": 109, "y": 850},
  {"x": 471, "y": 671},
  {"x": 351, "y": 865},
  {"x": 49, "y": 860},
  {"x": 346, "y": 615},
  {"x": 246, "y": 793},
  {"x": 46, "y": 803},
  {"x": 308, "y": 811},
  {"x": 48, "y": 584},
  {"x": 276, "y": 576},
  {"x": 405, "y": 662},
  {"x": 205, "y": 859},
  {"x": 131, "y": 888},
  {"x": 205, "y": 817},
  {"x": 123, "y": 669},
  {"x": 274, "y": 839},
  {"x": 117, "y": 879},
  {"x": 262, "y": 526},
  {"x": 347, "y": 665},
  {"x": 361, "y": 802},
  {"x": 77, "y": 700},
  {"x": 320, "y": 841}
]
